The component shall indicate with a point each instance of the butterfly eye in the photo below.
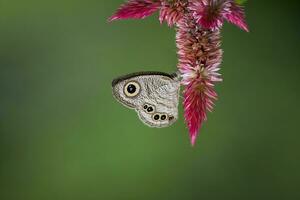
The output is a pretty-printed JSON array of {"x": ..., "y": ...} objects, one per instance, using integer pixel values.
[
  {"x": 171, "y": 118},
  {"x": 132, "y": 89},
  {"x": 156, "y": 117},
  {"x": 150, "y": 109},
  {"x": 163, "y": 117}
]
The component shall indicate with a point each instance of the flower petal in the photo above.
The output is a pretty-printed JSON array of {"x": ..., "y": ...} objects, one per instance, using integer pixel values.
[
  {"x": 236, "y": 16},
  {"x": 209, "y": 13},
  {"x": 136, "y": 9},
  {"x": 171, "y": 11}
]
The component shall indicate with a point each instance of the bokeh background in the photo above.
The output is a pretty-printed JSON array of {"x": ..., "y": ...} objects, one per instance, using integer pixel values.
[{"x": 63, "y": 136}]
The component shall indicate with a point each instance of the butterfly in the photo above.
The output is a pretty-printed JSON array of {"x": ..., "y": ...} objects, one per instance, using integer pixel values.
[{"x": 153, "y": 95}]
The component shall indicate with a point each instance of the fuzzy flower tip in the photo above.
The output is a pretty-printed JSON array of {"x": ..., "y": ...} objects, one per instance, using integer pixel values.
[
  {"x": 210, "y": 14},
  {"x": 136, "y": 9}
]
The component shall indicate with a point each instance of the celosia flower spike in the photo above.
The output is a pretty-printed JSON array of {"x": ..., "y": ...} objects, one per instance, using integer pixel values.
[
  {"x": 199, "y": 59},
  {"x": 236, "y": 16},
  {"x": 210, "y": 14},
  {"x": 136, "y": 9}
]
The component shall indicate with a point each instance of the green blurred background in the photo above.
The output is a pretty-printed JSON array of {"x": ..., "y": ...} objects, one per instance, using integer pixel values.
[{"x": 63, "y": 136}]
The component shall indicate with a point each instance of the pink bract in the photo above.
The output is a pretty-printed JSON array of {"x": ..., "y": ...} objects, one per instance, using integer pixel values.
[
  {"x": 210, "y": 14},
  {"x": 136, "y": 9},
  {"x": 199, "y": 59}
]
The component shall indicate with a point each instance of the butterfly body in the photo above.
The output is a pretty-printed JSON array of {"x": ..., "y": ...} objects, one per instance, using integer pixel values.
[{"x": 154, "y": 96}]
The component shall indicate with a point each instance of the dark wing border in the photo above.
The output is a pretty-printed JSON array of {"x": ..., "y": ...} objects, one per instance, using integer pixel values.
[{"x": 144, "y": 73}]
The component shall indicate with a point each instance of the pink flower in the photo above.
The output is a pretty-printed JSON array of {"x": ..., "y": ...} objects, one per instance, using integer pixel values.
[
  {"x": 136, "y": 9},
  {"x": 210, "y": 14},
  {"x": 198, "y": 41},
  {"x": 199, "y": 59}
]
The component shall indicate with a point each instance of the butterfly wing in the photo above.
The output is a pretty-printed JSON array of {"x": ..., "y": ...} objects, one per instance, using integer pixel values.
[{"x": 154, "y": 95}]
